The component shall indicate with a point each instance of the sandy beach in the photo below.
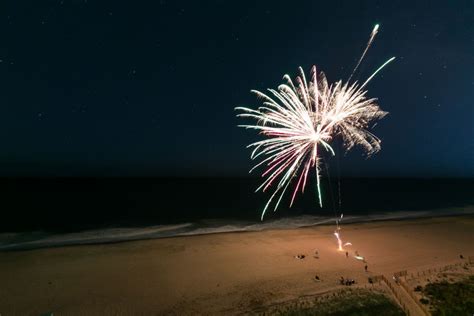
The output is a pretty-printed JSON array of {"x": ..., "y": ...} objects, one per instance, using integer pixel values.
[{"x": 228, "y": 273}]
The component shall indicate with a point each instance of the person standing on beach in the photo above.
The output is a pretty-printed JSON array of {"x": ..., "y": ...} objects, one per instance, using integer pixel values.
[
  {"x": 347, "y": 254},
  {"x": 365, "y": 268}
]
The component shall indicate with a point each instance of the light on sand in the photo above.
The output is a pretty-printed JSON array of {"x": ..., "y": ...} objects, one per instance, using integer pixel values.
[{"x": 339, "y": 241}]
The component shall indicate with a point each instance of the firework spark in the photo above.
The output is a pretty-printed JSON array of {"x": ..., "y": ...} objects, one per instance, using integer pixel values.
[
  {"x": 300, "y": 119},
  {"x": 371, "y": 39}
]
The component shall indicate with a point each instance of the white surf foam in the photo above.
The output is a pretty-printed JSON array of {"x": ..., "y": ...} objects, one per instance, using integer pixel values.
[{"x": 32, "y": 240}]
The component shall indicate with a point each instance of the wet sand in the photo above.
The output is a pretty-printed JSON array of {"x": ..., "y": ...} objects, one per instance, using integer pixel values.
[{"x": 226, "y": 273}]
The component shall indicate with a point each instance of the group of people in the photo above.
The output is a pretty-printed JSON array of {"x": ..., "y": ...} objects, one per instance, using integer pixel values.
[
  {"x": 302, "y": 256},
  {"x": 347, "y": 282},
  {"x": 343, "y": 281}
]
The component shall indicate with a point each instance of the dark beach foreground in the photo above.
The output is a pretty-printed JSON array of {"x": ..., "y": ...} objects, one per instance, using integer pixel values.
[{"x": 228, "y": 273}]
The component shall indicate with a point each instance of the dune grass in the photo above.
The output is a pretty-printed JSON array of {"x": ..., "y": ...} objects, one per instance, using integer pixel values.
[
  {"x": 353, "y": 303},
  {"x": 451, "y": 298}
]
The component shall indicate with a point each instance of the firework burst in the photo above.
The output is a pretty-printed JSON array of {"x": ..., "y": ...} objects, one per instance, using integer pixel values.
[{"x": 300, "y": 119}]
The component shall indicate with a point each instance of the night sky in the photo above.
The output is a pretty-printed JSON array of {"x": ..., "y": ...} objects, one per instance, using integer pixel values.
[{"x": 115, "y": 88}]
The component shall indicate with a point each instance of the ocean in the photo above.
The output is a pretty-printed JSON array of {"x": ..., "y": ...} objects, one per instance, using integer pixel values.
[{"x": 48, "y": 212}]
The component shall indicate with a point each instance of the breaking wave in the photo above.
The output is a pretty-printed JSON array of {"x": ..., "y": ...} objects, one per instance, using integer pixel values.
[{"x": 38, "y": 239}]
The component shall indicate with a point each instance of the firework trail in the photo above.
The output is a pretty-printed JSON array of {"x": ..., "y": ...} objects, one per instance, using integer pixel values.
[
  {"x": 300, "y": 119},
  {"x": 371, "y": 39}
]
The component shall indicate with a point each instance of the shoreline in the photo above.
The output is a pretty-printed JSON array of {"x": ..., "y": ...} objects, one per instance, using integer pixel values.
[
  {"x": 129, "y": 234},
  {"x": 218, "y": 273}
]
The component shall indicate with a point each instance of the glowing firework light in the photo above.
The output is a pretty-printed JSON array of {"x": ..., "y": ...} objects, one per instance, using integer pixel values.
[{"x": 301, "y": 118}]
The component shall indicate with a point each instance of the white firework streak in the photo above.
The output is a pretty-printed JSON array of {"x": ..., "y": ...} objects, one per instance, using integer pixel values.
[{"x": 300, "y": 121}]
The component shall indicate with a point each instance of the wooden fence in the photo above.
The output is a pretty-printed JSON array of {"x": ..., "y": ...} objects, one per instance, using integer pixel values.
[
  {"x": 429, "y": 272},
  {"x": 396, "y": 294},
  {"x": 376, "y": 278},
  {"x": 446, "y": 268},
  {"x": 401, "y": 273},
  {"x": 413, "y": 296}
]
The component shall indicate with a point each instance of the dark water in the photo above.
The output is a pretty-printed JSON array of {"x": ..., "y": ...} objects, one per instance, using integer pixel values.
[{"x": 65, "y": 205}]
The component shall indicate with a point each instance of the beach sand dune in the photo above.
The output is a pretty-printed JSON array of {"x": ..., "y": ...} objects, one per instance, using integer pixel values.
[{"x": 226, "y": 273}]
